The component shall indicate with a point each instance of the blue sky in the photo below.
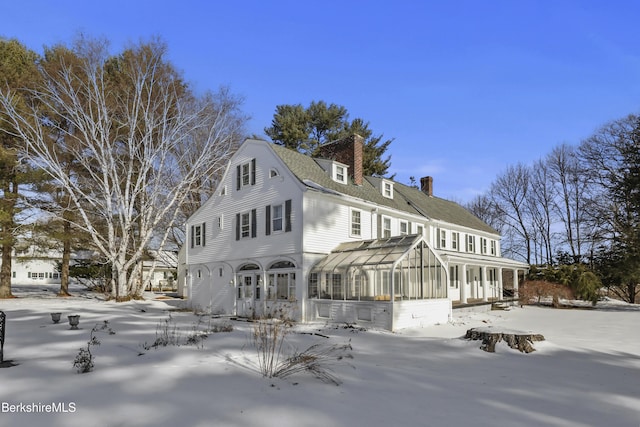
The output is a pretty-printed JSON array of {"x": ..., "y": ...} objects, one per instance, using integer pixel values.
[{"x": 464, "y": 87}]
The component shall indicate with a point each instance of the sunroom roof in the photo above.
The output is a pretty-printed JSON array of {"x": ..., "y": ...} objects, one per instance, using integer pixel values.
[{"x": 368, "y": 253}]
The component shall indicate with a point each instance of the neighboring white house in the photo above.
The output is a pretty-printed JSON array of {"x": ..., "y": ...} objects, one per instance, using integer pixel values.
[
  {"x": 34, "y": 266},
  {"x": 315, "y": 236},
  {"x": 164, "y": 265}
]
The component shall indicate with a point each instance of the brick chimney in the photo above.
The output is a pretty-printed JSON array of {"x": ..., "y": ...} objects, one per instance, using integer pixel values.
[
  {"x": 426, "y": 185},
  {"x": 348, "y": 151}
]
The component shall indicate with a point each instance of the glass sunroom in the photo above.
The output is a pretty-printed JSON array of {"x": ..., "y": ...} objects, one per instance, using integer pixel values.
[{"x": 393, "y": 270}]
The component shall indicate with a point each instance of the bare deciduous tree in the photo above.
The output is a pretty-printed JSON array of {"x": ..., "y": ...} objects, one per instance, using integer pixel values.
[
  {"x": 486, "y": 209},
  {"x": 134, "y": 125},
  {"x": 567, "y": 176},
  {"x": 510, "y": 192},
  {"x": 540, "y": 205}
]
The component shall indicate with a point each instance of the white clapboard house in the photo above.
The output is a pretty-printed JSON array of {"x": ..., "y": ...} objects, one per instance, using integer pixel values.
[
  {"x": 316, "y": 238},
  {"x": 35, "y": 265}
]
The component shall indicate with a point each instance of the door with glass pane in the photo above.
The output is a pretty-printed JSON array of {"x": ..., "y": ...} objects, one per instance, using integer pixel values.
[{"x": 246, "y": 292}]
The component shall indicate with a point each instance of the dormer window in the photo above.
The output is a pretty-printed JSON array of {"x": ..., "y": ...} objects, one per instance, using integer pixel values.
[
  {"x": 387, "y": 189},
  {"x": 340, "y": 174}
]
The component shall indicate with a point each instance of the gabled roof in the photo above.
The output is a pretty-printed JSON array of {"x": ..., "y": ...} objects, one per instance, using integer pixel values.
[{"x": 405, "y": 198}]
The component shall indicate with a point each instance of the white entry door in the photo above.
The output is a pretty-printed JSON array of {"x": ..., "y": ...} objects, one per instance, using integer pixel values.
[{"x": 245, "y": 297}]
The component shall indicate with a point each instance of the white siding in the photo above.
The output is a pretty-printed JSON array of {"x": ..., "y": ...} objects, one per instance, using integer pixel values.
[
  {"x": 409, "y": 314},
  {"x": 221, "y": 244},
  {"x": 406, "y": 314},
  {"x": 327, "y": 222},
  {"x": 366, "y": 314},
  {"x": 35, "y": 271}
]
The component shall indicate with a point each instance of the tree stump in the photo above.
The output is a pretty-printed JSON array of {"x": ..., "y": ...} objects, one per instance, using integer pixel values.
[{"x": 523, "y": 341}]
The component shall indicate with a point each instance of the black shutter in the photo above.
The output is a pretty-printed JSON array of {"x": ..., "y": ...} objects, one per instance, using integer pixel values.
[
  {"x": 287, "y": 215},
  {"x": 204, "y": 232},
  {"x": 237, "y": 226},
  {"x": 192, "y": 234},
  {"x": 254, "y": 225},
  {"x": 268, "y": 221},
  {"x": 379, "y": 228},
  {"x": 238, "y": 177},
  {"x": 253, "y": 171}
]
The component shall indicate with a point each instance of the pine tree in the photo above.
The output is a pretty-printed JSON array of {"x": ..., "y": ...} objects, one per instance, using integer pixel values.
[
  {"x": 18, "y": 72},
  {"x": 305, "y": 129}
]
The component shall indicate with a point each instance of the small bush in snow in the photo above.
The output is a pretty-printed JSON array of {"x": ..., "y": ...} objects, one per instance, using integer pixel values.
[
  {"x": 534, "y": 291},
  {"x": 316, "y": 360},
  {"x": 169, "y": 334},
  {"x": 84, "y": 359},
  {"x": 269, "y": 338}
]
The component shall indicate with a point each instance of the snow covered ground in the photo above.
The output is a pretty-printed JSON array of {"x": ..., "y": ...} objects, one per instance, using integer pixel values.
[{"x": 586, "y": 373}]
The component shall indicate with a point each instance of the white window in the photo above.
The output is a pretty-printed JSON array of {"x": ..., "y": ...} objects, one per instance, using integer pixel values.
[
  {"x": 386, "y": 226},
  {"x": 246, "y": 174},
  {"x": 442, "y": 242},
  {"x": 387, "y": 189},
  {"x": 419, "y": 230},
  {"x": 483, "y": 245},
  {"x": 404, "y": 227},
  {"x": 245, "y": 225},
  {"x": 313, "y": 285},
  {"x": 220, "y": 222},
  {"x": 281, "y": 286},
  {"x": 356, "y": 223},
  {"x": 455, "y": 238},
  {"x": 341, "y": 175},
  {"x": 493, "y": 247},
  {"x": 471, "y": 243},
  {"x": 198, "y": 235},
  {"x": 273, "y": 173},
  {"x": 276, "y": 218},
  {"x": 453, "y": 276}
]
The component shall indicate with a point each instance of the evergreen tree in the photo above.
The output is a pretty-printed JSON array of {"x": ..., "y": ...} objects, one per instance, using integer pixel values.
[
  {"x": 305, "y": 129},
  {"x": 613, "y": 157},
  {"x": 17, "y": 72}
]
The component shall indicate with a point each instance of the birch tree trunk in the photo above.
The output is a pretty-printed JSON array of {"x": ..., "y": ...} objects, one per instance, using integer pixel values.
[{"x": 141, "y": 140}]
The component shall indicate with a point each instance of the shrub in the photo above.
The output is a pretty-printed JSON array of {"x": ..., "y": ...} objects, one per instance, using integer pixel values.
[
  {"x": 534, "y": 291},
  {"x": 169, "y": 334},
  {"x": 269, "y": 337},
  {"x": 84, "y": 359},
  {"x": 583, "y": 283},
  {"x": 587, "y": 287}
]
